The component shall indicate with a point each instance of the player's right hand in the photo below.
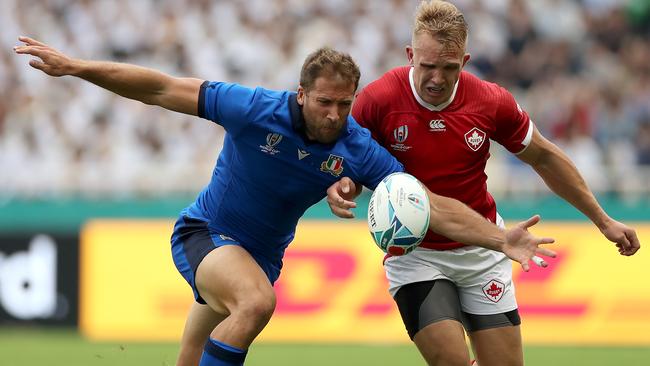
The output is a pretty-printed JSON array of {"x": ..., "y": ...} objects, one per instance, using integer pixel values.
[
  {"x": 340, "y": 197},
  {"x": 52, "y": 62},
  {"x": 522, "y": 246}
]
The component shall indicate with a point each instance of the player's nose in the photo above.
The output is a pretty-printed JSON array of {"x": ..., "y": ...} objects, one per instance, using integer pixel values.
[{"x": 333, "y": 114}]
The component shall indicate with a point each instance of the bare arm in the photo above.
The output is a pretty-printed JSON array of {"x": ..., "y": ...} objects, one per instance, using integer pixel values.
[
  {"x": 134, "y": 82},
  {"x": 457, "y": 221},
  {"x": 562, "y": 177}
]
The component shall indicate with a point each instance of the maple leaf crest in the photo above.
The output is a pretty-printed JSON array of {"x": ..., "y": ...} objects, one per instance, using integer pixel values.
[
  {"x": 494, "y": 290},
  {"x": 475, "y": 139}
]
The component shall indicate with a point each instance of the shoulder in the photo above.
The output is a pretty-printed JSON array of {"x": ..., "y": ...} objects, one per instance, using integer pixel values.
[
  {"x": 358, "y": 138},
  {"x": 484, "y": 92},
  {"x": 234, "y": 90},
  {"x": 389, "y": 84}
]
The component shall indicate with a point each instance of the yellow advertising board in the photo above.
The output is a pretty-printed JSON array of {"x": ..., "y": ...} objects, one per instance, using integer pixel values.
[{"x": 332, "y": 287}]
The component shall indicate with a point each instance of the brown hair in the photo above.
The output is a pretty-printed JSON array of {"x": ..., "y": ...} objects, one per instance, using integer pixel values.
[
  {"x": 327, "y": 61},
  {"x": 441, "y": 20}
]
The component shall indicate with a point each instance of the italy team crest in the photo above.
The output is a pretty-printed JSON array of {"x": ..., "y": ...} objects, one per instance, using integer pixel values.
[
  {"x": 333, "y": 165},
  {"x": 475, "y": 138}
]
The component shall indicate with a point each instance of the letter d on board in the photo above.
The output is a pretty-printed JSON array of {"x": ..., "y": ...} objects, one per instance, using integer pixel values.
[{"x": 28, "y": 280}]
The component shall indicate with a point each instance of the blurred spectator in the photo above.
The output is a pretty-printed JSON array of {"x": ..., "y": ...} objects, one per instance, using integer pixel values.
[{"x": 580, "y": 67}]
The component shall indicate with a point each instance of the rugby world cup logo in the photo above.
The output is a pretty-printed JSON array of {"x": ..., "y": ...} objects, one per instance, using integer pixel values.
[
  {"x": 416, "y": 201},
  {"x": 272, "y": 140},
  {"x": 401, "y": 133}
]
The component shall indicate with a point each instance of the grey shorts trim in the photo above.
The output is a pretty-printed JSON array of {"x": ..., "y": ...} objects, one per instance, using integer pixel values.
[{"x": 428, "y": 302}]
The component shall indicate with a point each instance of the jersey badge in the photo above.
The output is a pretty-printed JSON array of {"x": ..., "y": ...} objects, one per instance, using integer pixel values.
[
  {"x": 400, "y": 134},
  {"x": 226, "y": 237},
  {"x": 437, "y": 125},
  {"x": 333, "y": 165},
  {"x": 303, "y": 154},
  {"x": 494, "y": 290},
  {"x": 475, "y": 138},
  {"x": 272, "y": 140}
]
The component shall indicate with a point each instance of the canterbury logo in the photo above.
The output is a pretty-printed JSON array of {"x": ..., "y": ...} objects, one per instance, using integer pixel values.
[{"x": 437, "y": 125}]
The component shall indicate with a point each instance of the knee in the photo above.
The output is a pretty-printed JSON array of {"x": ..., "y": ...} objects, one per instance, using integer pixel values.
[
  {"x": 452, "y": 357},
  {"x": 258, "y": 308}
]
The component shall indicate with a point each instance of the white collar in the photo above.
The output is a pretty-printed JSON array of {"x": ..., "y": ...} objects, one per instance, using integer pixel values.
[{"x": 426, "y": 105}]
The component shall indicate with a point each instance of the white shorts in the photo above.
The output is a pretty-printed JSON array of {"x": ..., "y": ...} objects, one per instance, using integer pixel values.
[{"x": 483, "y": 277}]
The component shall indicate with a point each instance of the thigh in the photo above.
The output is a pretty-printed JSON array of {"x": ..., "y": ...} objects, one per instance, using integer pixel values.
[
  {"x": 427, "y": 302},
  {"x": 498, "y": 346},
  {"x": 193, "y": 240},
  {"x": 431, "y": 313},
  {"x": 229, "y": 276},
  {"x": 443, "y": 344}
]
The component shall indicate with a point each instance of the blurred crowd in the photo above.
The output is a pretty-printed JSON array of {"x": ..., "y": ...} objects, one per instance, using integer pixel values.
[{"x": 580, "y": 68}]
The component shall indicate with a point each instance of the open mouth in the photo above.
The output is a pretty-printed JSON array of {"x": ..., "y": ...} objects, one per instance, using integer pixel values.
[{"x": 435, "y": 90}]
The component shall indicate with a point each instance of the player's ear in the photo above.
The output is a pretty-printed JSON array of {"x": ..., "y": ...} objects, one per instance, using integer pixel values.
[
  {"x": 300, "y": 98},
  {"x": 465, "y": 59},
  {"x": 409, "y": 54}
]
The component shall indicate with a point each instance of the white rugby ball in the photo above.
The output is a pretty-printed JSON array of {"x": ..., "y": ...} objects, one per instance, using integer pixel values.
[{"x": 398, "y": 214}]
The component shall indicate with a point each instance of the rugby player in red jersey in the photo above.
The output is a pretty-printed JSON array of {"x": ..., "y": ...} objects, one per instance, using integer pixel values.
[{"x": 438, "y": 121}]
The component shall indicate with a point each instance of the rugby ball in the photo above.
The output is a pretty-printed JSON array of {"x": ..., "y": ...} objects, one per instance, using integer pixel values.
[{"x": 398, "y": 214}]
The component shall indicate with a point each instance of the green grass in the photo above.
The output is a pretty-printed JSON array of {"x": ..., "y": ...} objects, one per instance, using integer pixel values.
[{"x": 55, "y": 347}]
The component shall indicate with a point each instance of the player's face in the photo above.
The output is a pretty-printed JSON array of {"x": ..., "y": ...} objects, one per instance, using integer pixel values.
[
  {"x": 435, "y": 69},
  {"x": 326, "y": 107}
]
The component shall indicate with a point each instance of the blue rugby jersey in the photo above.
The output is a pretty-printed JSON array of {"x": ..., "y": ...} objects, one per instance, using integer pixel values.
[{"x": 268, "y": 173}]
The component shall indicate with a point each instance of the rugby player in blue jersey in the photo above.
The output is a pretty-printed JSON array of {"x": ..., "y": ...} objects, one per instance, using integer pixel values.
[{"x": 282, "y": 150}]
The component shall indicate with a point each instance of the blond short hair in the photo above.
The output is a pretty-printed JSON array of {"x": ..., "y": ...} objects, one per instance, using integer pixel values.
[{"x": 443, "y": 21}]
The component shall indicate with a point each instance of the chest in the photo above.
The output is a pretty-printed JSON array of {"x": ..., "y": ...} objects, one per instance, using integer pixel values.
[
  {"x": 286, "y": 166},
  {"x": 440, "y": 139}
]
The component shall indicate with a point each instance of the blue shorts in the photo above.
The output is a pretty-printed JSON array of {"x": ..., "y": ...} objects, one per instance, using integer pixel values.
[{"x": 193, "y": 239}]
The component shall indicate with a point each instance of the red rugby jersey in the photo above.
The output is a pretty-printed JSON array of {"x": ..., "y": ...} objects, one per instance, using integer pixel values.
[{"x": 445, "y": 147}]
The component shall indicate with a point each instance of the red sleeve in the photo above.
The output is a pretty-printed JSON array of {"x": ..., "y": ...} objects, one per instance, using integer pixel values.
[
  {"x": 366, "y": 112},
  {"x": 514, "y": 128}
]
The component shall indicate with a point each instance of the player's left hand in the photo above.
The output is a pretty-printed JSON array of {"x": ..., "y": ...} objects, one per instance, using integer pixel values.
[
  {"x": 623, "y": 236},
  {"x": 340, "y": 197},
  {"x": 522, "y": 246}
]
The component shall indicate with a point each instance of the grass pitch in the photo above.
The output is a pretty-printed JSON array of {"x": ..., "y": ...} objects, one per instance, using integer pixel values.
[{"x": 59, "y": 347}]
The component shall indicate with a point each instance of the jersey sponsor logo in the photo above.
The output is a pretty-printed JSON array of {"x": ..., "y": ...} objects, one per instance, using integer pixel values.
[
  {"x": 333, "y": 165},
  {"x": 437, "y": 125},
  {"x": 303, "y": 154},
  {"x": 272, "y": 140},
  {"x": 475, "y": 138},
  {"x": 494, "y": 290},
  {"x": 400, "y": 134}
]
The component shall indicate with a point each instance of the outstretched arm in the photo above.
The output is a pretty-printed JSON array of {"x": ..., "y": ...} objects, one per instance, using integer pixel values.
[
  {"x": 134, "y": 82},
  {"x": 457, "y": 221},
  {"x": 562, "y": 177}
]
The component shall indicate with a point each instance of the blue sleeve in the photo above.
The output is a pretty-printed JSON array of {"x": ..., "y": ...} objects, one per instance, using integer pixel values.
[
  {"x": 227, "y": 104},
  {"x": 378, "y": 163}
]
